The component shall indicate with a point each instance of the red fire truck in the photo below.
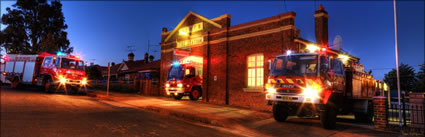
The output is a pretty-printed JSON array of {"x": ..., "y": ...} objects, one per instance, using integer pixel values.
[
  {"x": 320, "y": 81},
  {"x": 51, "y": 71},
  {"x": 185, "y": 78}
]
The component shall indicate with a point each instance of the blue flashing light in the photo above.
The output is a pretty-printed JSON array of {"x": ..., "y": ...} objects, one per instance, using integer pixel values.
[
  {"x": 175, "y": 63},
  {"x": 288, "y": 52},
  {"x": 60, "y": 53}
]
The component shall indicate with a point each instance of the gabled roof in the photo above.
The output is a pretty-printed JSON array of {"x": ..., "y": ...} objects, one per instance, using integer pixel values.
[
  {"x": 185, "y": 18},
  {"x": 140, "y": 65}
]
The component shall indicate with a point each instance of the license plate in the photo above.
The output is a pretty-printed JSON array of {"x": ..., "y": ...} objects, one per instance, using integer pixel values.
[
  {"x": 287, "y": 98},
  {"x": 287, "y": 86}
]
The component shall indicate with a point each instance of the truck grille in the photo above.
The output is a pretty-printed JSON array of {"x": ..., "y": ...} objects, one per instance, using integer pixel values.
[{"x": 285, "y": 91}]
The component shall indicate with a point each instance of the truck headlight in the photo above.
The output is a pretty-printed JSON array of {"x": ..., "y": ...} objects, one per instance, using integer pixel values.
[
  {"x": 180, "y": 85},
  {"x": 167, "y": 85},
  {"x": 311, "y": 91},
  {"x": 271, "y": 90},
  {"x": 84, "y": 81},
  {"x": 62, "y": 80}
]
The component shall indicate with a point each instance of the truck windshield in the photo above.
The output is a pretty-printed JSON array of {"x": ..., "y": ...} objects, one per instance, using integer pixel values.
[
  {"x": 72, "y": 64},
  {"x": 176, "y": 72},
  {"x": 294, "y": 65}
]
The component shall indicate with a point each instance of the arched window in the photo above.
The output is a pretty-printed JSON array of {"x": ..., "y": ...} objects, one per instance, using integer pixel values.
[{"x": 255, "y": 70}]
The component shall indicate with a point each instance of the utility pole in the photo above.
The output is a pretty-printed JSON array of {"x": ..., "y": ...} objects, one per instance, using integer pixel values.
[
  {"x": 396, "y": 58},
  {"x": 109, "y": 77}
]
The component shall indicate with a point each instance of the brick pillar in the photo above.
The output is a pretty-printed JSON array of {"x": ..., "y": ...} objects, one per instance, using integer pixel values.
[{"x": 380, "y": 112}]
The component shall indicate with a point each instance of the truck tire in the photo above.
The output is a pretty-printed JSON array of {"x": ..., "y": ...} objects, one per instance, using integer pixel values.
[
  {"x": 48, "y": 86},
  {"x": 14, "y": 83},
  {"x": 328, "y": 116},
  {"x": 195, "y": 93},
  {"x": 280, "y": 113}
]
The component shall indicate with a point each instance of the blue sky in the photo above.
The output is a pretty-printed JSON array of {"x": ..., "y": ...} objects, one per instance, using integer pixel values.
[{"x": 102, "y": 30}]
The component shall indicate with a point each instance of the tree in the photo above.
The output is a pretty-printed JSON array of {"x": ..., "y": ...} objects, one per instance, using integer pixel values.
[
  {"x": 420, "y": 77},
  {"x": 38, "y": 22},
  {"x": 407, "y": 78}
]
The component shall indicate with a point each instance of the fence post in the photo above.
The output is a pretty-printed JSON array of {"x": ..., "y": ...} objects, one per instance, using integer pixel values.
[{"x": 380, "y": 112}]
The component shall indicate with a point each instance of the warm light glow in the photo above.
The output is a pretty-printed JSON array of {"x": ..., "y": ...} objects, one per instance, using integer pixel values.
[
  {"x": 180, "y": 85},
  {"x": 168, "y": 93},
  {"x": 184, "y": 31},
  {"x": 344, "y": 58},
  {"x": 62, "y": 80},
  {"x": 312, "y": 48},
  {"x": 167, "y": 85},
  {"x": 323, "y": 49},
  {"x": 271, "y": 90},
  {"x": 192, "y": 59},
  {"x": 84, "y": 81},
  {"x": 311, "y": 91}
]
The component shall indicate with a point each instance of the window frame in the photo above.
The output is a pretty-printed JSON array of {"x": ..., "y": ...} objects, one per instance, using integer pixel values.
[{"x": 257, "y": 68}]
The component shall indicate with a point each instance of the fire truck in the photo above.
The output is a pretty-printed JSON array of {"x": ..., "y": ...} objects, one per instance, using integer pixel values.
[
  {"x": 185, "y": 78},
  {"x": 50, "y": 71},
  {"x": 323, "y": 82}
]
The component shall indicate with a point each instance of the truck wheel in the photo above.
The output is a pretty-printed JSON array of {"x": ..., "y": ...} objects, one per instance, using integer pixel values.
[
  {"x": 280, "y": 113},
  {"x": 48, "y": 86},
  {"x": 328, "y": 117},
  {"x": 195, "y": 94}
]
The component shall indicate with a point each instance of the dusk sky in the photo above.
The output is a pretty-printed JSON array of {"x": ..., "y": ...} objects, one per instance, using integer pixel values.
[{"x": 101, "y": 30}]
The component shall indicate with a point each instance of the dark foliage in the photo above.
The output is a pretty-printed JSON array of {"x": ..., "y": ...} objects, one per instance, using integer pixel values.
[{"x": 35, "y": 26}]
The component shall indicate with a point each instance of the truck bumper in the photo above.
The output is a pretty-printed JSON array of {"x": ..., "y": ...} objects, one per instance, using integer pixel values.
[
  {"x": 174, "y": 91},
  {"x": 291, "y": 98}
]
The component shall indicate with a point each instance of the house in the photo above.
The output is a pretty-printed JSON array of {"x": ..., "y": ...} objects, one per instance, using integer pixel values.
[
  {"x": 131, "y": 69},
  {"x": 236, "y": 58},
  {"x": 138, "y": 69}
]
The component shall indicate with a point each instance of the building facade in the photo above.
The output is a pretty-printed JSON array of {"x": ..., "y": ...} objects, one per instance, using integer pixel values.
[{"x": 236, "y": 58}]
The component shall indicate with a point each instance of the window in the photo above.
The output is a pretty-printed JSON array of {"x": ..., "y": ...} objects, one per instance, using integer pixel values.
[
  {"x": 255, "y": 71},
  {"x": 47, "y": 61}
]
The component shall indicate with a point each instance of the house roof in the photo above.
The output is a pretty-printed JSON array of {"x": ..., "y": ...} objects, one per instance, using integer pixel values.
[
  {"x": 185, "y": 18},
  {"x": 140, "y": 65}
]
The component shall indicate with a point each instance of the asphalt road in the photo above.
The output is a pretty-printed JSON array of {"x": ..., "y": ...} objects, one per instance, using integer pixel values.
[{"x": 33, "y": 113}]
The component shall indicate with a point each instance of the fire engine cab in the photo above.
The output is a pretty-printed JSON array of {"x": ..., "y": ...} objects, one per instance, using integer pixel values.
[
  {"x": 51, "y": 71},
  {"x": 320, "y": 81},
  {"x": 185, "y": 78}
]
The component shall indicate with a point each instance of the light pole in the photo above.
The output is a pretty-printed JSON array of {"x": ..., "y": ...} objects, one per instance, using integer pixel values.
[{"x": 396, "y": 58}]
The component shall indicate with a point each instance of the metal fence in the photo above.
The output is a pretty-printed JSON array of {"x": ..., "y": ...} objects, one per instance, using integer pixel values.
[{"x": 412, "y": 115}]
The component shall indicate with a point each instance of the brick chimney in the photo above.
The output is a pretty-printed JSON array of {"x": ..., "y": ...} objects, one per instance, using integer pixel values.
[
  {"x": 321, "y": 26},
  {"x": 146, "y": 58},
  {"x": 131, "y": 56}
]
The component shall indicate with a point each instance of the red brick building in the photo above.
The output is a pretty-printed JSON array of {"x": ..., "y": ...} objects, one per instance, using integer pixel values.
[{"x": 236, "y": 58}]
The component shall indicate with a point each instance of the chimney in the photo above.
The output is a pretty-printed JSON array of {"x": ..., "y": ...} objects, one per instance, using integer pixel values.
[
  {"x": 151, "y": 58},
  {"x": 131, "y": 56},
  {"x": 146, "y": 58},
  {"x": 321, "y": 23},
  {"x": 113, "y": 64},
  {"x": 91, "y": 63}
]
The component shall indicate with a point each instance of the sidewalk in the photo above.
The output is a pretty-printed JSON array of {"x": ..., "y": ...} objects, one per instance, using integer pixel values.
[
  {"x": 240, "y": 121},
  {"x": 218, "y": 115}
]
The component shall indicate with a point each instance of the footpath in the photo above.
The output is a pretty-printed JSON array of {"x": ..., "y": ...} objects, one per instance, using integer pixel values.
[{"x": 234, "y": 118}]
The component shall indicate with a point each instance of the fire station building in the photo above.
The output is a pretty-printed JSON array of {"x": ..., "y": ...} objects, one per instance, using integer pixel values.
[{"x": 235, "y": 59}]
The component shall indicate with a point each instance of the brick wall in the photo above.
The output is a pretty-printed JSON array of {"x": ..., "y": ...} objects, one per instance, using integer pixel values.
[{"x": 270, "y": 36}]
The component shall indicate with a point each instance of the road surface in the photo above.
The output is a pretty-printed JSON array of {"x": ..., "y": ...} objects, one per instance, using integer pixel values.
[{"x": 33, "y": 113}]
